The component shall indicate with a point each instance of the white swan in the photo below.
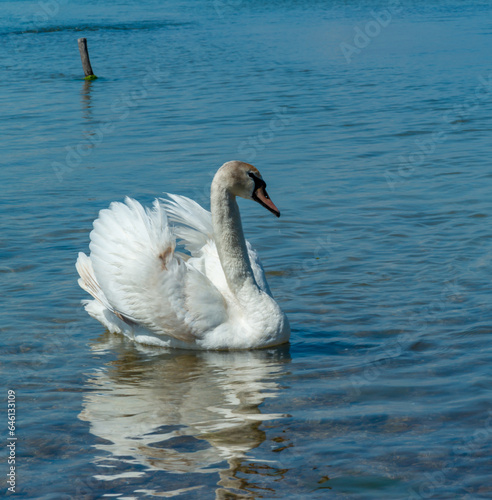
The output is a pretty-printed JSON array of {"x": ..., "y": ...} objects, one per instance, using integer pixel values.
[{"x": 217, "y": 298}]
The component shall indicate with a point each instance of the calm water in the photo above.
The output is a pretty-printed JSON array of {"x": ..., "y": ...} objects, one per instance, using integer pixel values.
[{"x": 374, "y": 138}]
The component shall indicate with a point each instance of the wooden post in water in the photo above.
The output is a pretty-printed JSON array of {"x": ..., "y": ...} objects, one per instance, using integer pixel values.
[{"x": 86, "y": 63}]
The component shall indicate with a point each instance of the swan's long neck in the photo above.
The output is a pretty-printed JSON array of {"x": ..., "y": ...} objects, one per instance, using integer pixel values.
[{"x": 229, "y": 238}]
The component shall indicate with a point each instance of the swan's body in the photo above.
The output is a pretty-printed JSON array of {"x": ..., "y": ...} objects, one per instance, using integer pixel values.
[{"x": 217, "y": 298}]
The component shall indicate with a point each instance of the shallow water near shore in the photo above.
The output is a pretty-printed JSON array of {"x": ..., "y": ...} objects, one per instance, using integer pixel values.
[{"x": 374, "y": 140}]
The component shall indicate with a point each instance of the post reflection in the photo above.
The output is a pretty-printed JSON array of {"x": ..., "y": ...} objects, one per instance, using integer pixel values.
[
  {"x": 180, "y": 412},
  {"x": 86, "y": 99}
]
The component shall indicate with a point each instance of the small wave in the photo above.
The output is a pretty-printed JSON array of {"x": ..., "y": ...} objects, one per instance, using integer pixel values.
[{"x": 131, "y": 26}]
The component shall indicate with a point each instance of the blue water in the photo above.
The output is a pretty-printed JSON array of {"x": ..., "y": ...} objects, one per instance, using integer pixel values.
[{"x": 374, "y": 139}]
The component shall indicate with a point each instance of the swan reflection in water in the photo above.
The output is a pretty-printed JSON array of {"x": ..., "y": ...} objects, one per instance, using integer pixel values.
[{"x": 180, "y": 411}]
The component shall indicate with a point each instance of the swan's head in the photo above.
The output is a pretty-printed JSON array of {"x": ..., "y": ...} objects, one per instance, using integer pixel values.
[{"x": 244, "y": 180}]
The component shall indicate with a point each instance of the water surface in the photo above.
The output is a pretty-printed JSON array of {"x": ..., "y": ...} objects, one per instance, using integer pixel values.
[{"x": 380, "y": 165}]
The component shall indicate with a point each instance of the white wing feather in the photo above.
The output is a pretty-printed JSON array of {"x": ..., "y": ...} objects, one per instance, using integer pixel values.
[
  {"x": 135, "y": 273},
  {"x": 258, "y": 271},
  {"x": 194, "y": 227},
  {"x": 144, "y": 280}
]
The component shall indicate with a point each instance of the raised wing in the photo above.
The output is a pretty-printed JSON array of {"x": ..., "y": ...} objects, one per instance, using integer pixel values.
[
  {"x": 194, "y": 223},
  {"x": 258, "y": 270},
  {"x": 143, "y": 279}
]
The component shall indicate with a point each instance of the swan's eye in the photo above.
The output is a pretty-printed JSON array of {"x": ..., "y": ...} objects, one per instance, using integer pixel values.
[{"x": 259, "y": 183}]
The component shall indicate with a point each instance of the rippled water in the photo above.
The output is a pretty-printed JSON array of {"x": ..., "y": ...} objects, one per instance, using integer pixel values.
[{"x": 375, "y": 147}]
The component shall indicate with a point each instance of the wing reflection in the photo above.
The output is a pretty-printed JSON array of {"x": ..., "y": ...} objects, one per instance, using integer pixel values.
[{"x": 180, "y": 412}]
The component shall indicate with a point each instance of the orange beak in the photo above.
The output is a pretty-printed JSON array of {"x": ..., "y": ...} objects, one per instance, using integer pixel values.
[{"x": 261, "y": 196}]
